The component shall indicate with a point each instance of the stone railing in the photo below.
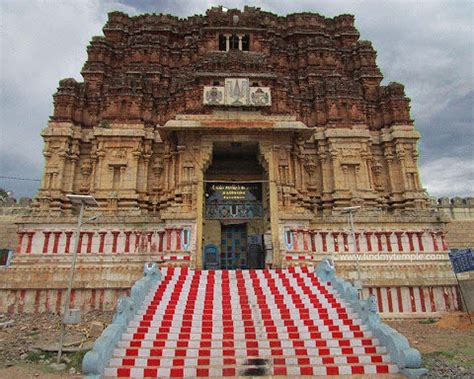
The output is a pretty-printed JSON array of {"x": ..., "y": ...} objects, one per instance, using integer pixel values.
[
  {"x": 405, "y": 357},
  {"x": 10, "y": 206},
  {"x": 457, "y": 208},
  {"x": 59, "y": 240},
  {"x": 95, "y": 360},
  {"x": 377, "y": 241}
]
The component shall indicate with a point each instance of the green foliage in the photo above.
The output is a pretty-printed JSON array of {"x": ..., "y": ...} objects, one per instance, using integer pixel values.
[
  {"x": 76, "y": 359},
  {"x": 104, "y": 124},
  {"x": 430, "y": 320},
  {"x": 35, "y": 356}
]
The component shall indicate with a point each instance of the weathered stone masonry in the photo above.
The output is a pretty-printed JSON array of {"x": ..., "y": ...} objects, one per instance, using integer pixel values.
[{"x": 151, "y": 124}]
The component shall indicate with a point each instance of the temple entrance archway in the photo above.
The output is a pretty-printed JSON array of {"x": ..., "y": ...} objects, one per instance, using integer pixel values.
[{"x": 236, "y": 211}]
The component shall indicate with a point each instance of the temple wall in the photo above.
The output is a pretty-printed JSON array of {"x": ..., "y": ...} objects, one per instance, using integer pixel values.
[
  {"x": 10, "y": 213},
  {"x": 138, "y": 134},
  {"x": 38, "y": 277},
  {"x": 8, "y": 231}
]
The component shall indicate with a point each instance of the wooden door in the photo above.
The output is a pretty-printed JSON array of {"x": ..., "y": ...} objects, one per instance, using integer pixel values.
[{"x": 234, "y": 247}]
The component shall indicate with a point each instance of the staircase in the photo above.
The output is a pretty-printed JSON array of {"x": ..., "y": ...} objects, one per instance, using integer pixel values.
[{"x": 245, "y": 323}]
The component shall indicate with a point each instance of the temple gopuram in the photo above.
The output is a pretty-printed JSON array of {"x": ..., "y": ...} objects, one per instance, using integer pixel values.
[{"x": 231, "y": 140}]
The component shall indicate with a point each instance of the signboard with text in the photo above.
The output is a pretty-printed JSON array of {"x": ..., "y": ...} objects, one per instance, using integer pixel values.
[{"x": 233, "y": 200}]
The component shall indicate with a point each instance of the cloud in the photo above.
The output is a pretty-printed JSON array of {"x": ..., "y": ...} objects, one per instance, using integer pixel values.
[
  {"x": 42, "y": 42},
  {"x": 448, "y": 176},
  {"x": 426, "y": 45}
]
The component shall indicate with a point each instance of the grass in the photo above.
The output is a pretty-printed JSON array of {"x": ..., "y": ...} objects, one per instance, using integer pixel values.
[
  {"x": 36, "y": 356},
  {"x": 76, "y": 360},
  {"x": 463, "y": 357},
  {"x": 428, "y": 321}
]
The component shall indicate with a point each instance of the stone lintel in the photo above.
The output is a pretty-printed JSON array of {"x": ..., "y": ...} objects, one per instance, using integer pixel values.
[
  {"x": 346, "y": 133},
  {"x": 259, "y": 124},
  {"x": 122, "y": 130},
  {"x": 399, "y": 131}
]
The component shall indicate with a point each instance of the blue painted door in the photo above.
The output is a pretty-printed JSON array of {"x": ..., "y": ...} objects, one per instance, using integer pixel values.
[{"x": 234, "y": 246}]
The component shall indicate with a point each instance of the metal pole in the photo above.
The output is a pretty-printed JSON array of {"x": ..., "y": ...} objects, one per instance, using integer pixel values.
[
  {"x": 71, "y": 277},
  {"x": 463, "y": 299},
  {"x": 359, "y": 284}
]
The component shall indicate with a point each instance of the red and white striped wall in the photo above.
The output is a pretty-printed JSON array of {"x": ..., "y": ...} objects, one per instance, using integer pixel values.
[
  {"x": 407, "y": 301},
  {"x": 52, "y": 300},
  {"x": 305, "y": 240},
  {"x": 413, "y": 301},
  {"x": 60, "y": 240}
]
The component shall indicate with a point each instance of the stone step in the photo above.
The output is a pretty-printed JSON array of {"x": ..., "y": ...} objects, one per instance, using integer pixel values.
[
  {"x": 215, "y": 324},
  {"x": 244, "y": 353},
  {"x": 240, "y": 340},
  {"x": 194, "y": 372},
  {"x": 224, "y": 361},
  {"x": 275, "y": 321},
  {"x": 178, "y": 327},
  {"x": 219, "y": 331}
]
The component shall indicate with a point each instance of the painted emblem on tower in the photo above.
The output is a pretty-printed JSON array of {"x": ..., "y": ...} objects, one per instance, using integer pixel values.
[
  {"x": 259, "y": 96},
  {"x": 214, "y": 96},
  {"x": 237, "y": 93}
]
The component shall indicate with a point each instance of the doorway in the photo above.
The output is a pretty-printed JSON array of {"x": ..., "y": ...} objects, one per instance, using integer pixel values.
[
  {"x": 236, "y": 211},
  {"x": 234, "y": 247}
]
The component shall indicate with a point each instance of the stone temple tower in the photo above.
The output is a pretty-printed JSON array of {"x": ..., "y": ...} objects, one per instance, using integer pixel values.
[{"x": 232, "y": 140}]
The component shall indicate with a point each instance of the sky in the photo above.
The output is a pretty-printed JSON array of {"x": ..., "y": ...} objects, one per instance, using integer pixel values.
[{"x": 427, "y": 45}]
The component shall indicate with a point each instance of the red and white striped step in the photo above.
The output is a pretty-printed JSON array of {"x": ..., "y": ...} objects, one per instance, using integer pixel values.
[{"x": 229, "y": 323}]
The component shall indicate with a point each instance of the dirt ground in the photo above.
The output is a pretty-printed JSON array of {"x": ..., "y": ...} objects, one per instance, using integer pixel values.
[
  {"x": 446, "y": 345},
  {"x": 28, "y": 344}
]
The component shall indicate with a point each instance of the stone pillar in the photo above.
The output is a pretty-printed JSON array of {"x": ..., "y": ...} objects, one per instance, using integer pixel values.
[
  {"x": 138, "y": 237},
  {"x": 73, "y": 163},
  {"x": 46, "y": 242},
  {"x": 387, "y": 239},
  {"x": 79, "y": 246},
  {"x": 335, "y": 236},
  {"x": 410, "y": 241},
  {"x": 127, "y": 242},
  {"x": 67, "y": 245},
  {"x": 147, "y": 248},
  {"x": 435, "y": 241},
  {"x": 102, "y": 242},
  {"x": 312, "y": 235},
  {"x": 443, "y": 240},
  {"x": 324, "y": 241},
  {"x": 419, "y": 236},
  {"x": 161, "y": 236},
  {"x": 305, "y": 241},
  {"x": 270, "y": 158},
  {"x": 20, "y": 242},
  {"x": 115, "y": 235},
  {"x": 168, "y": 238},
  {"x": 368, "y": 239},
  {"x": 30, "y": 242},
  {"x": 346, "y": 242},
  {"x": 240, "y": 42},
  {"x": 90, "y": 236},
  {"x": 57, "y": 235},
  {"x": 389, "y": 160},
  {"x": 378, "y": 235},
  {"x": 295, "y": 239},
  {"x": 357, "y": 237},
  {"x": 178, "y": 239},
  {"x": 399, "y": 241}
]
